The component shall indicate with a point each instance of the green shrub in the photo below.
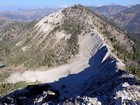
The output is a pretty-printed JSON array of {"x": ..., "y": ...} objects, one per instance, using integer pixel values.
[{"x": 9, "y": 87}]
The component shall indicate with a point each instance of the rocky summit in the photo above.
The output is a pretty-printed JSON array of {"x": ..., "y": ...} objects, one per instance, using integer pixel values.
[{"x": 73, "y": 55}]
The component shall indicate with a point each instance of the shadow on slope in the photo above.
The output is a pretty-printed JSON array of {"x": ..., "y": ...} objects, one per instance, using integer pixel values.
[{"x": 98, "y": 81}]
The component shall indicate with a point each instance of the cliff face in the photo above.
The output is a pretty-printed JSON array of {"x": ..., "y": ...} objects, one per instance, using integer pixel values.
[{"x": 84, "y": 69}]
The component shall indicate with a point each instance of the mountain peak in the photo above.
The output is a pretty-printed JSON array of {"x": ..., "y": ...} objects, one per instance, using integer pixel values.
[{"x": 64, "y": 28}]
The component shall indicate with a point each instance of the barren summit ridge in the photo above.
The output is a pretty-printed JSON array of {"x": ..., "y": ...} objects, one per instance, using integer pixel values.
[{"x": 63, "y": 30}]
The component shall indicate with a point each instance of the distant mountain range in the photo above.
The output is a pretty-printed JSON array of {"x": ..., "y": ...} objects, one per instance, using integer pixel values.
[
  {"x": 129, "y": 19},
  {"x": 108, "y": 10},
  {"x": 27, "y": 15},
  {"x": 4, "y": 22}
]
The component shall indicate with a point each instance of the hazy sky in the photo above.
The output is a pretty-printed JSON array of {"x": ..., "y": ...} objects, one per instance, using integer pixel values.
[{"x": 16, "y": 4}]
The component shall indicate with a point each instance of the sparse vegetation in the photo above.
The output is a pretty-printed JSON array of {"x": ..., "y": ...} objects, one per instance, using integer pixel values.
[
  {"x": 4, "y": 75},
  {"x": 9, "y": 87},
  {"x": 135, "y": 56},
  {"x": 74, "y": 28}
]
